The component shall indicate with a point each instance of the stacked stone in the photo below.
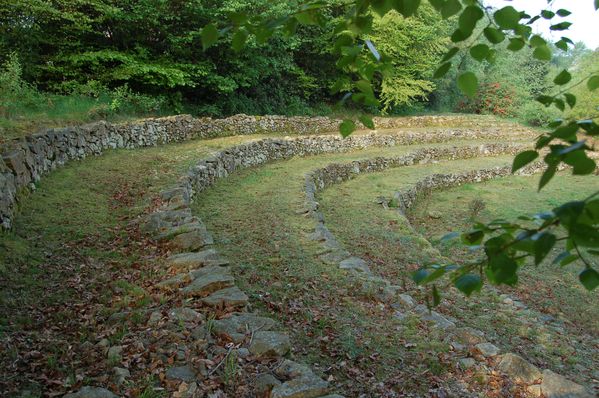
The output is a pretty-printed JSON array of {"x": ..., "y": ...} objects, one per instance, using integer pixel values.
[
  {"x": 468, "y": 341},
  {"x": 26, "y": 160}
]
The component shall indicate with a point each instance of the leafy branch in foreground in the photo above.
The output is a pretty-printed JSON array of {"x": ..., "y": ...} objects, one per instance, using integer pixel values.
[{"x": 478, "y": 30}]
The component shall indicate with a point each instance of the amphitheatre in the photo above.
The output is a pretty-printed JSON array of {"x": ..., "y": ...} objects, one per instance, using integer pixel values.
[{"x": 270, "y": 257}]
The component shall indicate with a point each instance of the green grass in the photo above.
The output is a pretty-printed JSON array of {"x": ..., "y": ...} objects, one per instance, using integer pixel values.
[{"x": 395, "y": 249}]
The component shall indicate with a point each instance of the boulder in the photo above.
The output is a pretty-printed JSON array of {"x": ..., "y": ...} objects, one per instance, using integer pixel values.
[
  {"x": 269, "y": 344},
  {"x": 556, "y": 386},
  {"x": 229, "y": 297},
  {"x": 192, "y": 260},
  {"x": 487, "y": 349},
  {"x": 91, "y": 392},
  {"x": 355, "y": 263},
  {"x": 183, "y": 373},
  {"x": 518, "y": 368},
  {"x": 302, "y": 387},
  {"x": 208, "y": 280}
]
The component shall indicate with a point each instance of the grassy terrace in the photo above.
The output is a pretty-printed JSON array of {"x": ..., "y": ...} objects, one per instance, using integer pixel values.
[
  {"x": 74, "y": 259},
  {"x": 558, "y": 331}
]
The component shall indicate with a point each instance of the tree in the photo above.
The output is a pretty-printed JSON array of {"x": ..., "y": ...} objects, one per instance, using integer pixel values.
[{"x": 507, "y": 245}]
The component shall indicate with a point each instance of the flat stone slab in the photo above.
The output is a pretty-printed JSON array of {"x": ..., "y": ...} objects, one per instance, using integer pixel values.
[
  {"x": 557, "y": 386},
  {"x": 518, "y": 368},
  {"x": 228, "y": 297},
  {"x": 355, "y": 263},
  {"x": 185, "y": 314},
  {"x": 192, "y": 260},
  {"x": 270, "y": 344},
  {"x": 468, "y": 336},
  {"x": 175, "y": 282},
  {"x": 238, "y": 326},
  {"x": 91, "y": 392},
  {"x": 487, "y": 349},
  {"x": 302, "y": 387},
  {"x": 183, "y": 373},
  {"x": 207, "y": 280},
  {"x": 192, "y": 240}
]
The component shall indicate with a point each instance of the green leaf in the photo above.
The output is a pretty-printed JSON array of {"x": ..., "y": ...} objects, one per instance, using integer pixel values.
[
  {"x": 544, "y": 242},
  {"x": 473, "y": 237},
  {"x": 562, "y": 78},
  {"x": 347, "y": 127},
  {"x": 494, "y": 35},
  {"x": 547, "y": 175},
  {"x": 563, "y": 12},
  {"x": 468, "y": 83},
  {"x": 542, "y": 53},
  {"x": 209, "y": 36},
  {"x": 407, "y": 8},
  {"x": 480, "y": 52},
  {"x": 469, "y": 18},
  {"x": 436, "y": 296},
  {"x": 565, "y": 258},
  {"x": 450, "y": 8},
  {"x": 442, "y": 70},
  {"x": 561, "y": 26},
  {"x": 503, "y": 269},
  {"x": 562, "y": 45},
  {"x": 469, "y": 284},
  {"x": 547, "y": 14},
  {"x": 516, "y": 44},
  {"x": 570, "y": 99},
  {"x": 507, "y": 17},
  {"x": 537, "y": 41},
  {"x": 596, "y": 4},
  {"x": 367, "y": 121},
  {"x": 593, "y": 83},
  {"x": 524, "y": 158},
  {"x": 589, "y": 279},
  {"x": 580, "y": 162},
  {"x": 450, "y": 54},
  {"x": 419, "y": 276},
  {"x": 239, "y": 39}
]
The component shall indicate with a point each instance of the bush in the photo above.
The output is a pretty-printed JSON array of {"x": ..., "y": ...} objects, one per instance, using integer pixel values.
[
  {"x": 492, "y": 98},
  {"x": 536, "y": 114},
  {"x": 16, "y": 93}
]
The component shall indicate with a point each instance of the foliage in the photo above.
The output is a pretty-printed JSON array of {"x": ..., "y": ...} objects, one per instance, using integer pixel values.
[{"x": 507, "y": 245}]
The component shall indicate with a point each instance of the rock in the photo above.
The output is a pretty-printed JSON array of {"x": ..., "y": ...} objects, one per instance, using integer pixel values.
[
  {"x": 183, "y": 373},
  {"x": 487, "y": 349},
  {"x": 174, "y": 283},
  {"x": 243, "y": 352},
  {"x": 207, "y": 280},
  {"x": 185, "y": 314},
  {"x": 518, "y": 368},
  {"x": 193, "y": 240},
  {"x": 534, "y": 390},
  {"x": 155, "y": 318},
  {"x": 405, "y": 301},
  {"x": 333, "y": 396},
  {"x": 302, "y": 387},
  {"x": 269, "y": 344},
  {"x": 237, "y": 326},
  {"x": 91, "y": 392},
  {"x": 435, "y": 214},
  {"x": 192, "y": 260},
  {"x": 290, "y": 370},
  {"x": 468, "y": 336},
  {"x": 229, "y": 297},
  {"x": 115, "y": 353},
  {"x": 120, "y": 375},
  {"x": 264, "y": 384},
  {"x": 556, "y": 386},
  {"x": 355, "y": 263},
  {"x": 437, "y": 319},
  {"x": 466, "y": 363}
]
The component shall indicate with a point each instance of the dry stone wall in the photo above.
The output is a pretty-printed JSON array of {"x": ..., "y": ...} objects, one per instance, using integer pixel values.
[
  {"x": 26, "y": 160},
  {"x": 462, "y": 339}
]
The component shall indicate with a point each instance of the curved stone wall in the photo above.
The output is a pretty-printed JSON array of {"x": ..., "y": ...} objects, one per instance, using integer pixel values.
[{"x": 26, "y": 160}]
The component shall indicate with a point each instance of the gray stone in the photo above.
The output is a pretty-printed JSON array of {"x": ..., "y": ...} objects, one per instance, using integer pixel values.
[
  {"x": 269, "y": 344},
  {"x": 466, "y": 363},
  {"x": 189, "y": 261},
  {"x": 193, "y": 240},
  {"x": 264, "y": 383},
  {"x": 208, "y": 280},
  {"x": 354, "y": 263},
  {"x": 91, "y": 392},
  {"x": 468, "y": 336},
  {"x": 487, "y": 349},
  {"x": 229, "y": 297},
  {"x": 557, "y": 386},
  {"x": 438, "y": 320},
  {"x": 174, "y": 283},
  {"x": 120, "y": 375},
  {"x": 518, "y": 368},
  {"x": 288, "y": 369},
  {"x": 115, "y": 353},
  {"x": 183, "y": 373},
  {"x": 185, "y": 314},
  {"x": 302, "y": 387},
  {"x": 237, "y": 326}
]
